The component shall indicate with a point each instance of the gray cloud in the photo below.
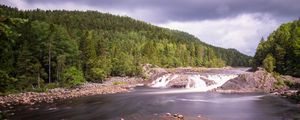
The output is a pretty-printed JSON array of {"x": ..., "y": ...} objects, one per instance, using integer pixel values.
[
  {"x": 242, "y": 32},
  {"x": 189, "y": 10}
]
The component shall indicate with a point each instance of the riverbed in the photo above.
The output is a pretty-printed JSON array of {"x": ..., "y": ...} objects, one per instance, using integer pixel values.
[{"x": 149, "y": 103}]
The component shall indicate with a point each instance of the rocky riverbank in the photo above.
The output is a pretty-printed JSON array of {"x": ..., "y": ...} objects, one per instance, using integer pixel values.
[
  {"x": 110, "y": 86},
  {"x": 262, "y": 81}
]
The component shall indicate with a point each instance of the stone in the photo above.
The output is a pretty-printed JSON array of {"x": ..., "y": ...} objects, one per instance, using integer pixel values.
[
  {"x": 168, "y": 114},
  {"x": 180, "y": 116},
  {"x": 52, "y": 108}
]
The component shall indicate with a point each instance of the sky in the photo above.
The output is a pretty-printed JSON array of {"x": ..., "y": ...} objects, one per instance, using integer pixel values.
[{"x": 238, "y": 24}]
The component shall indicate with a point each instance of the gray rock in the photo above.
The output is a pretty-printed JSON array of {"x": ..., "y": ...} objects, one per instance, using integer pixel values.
[{"x": 259, "y": 81}]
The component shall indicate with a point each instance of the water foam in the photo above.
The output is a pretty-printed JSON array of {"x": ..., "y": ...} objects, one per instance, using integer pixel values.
[
  {"x": 163, "y": 81},
  {"x": 195, "y": 82}
]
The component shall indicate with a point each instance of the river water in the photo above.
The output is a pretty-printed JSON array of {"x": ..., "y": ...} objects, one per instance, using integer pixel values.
[{"x": 148, "y": 103}]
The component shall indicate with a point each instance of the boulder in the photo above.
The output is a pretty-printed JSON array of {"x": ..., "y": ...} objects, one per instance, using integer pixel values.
[{"x": 258, "y": 81}]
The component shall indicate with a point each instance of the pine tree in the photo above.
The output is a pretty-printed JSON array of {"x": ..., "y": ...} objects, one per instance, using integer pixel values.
[{"x": 89, "y": 54}]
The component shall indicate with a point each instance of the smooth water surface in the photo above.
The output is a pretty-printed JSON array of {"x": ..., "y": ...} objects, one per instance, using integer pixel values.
[{"x": 144, "y": 103}]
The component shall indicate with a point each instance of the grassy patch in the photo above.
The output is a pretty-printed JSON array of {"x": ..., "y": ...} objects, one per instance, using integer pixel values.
[{"x": 119, "y": 83}]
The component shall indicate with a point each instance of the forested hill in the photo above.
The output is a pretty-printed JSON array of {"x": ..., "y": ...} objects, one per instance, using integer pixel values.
[
  {"x": 69, "y": 47},
  {"x": 281, "y": 51}
]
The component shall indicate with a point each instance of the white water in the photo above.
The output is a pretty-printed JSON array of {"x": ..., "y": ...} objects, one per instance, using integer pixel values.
[
  {"x": 195, "y": 82},
  {"x": 163, "y": 81}
]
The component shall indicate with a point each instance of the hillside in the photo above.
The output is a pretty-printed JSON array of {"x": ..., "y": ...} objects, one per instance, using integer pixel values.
[
  {"x": 281, "y": 50},
  {"x": 70, "y": 47}
]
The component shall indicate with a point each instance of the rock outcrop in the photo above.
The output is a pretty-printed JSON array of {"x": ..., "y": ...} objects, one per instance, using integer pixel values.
[{"x": 258, "y": 81}]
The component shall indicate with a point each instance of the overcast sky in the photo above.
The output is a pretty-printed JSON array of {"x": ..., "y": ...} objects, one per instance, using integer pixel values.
[{"x": 238, "y": 24}]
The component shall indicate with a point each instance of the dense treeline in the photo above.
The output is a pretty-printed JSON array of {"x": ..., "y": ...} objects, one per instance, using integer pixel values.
[
  {"x": 69, "y": 47},
  {"x": 281, "y": 51}
]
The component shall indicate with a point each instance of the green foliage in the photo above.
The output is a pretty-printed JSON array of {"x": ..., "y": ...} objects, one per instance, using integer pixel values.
[
  {"x": 269, "y": 63},
  {"x": 120, "y": 66},
  {"x": 284, "y": 45},
  {"x": 291, "y": 84},
  {"x": 50, "y": 86},
  {"x": 98, "y": 74},
  {"x": 72, "y": 76},
  {"x": 280, "y": 83},
  {"x": 6, "y": 82},
  {"x": 8, "y": 36}
]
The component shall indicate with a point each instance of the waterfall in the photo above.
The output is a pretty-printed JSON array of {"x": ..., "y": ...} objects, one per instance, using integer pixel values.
[
  {"x": 194, "y": 82},
  {"x": 219, "y": 80},
  {"x": 163, "y": 81}
]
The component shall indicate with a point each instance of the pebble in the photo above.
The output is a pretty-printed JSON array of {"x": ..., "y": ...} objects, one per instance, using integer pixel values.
[
  {"x": 30, "y": 98},
  {"x": 52, "y": 108},
  {"x": 180, "y": 116}
]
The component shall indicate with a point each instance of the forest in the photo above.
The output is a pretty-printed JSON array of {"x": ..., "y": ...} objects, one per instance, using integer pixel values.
[
  {"x": 280, "y": 52},
  {"x": 44, "y": 49}
]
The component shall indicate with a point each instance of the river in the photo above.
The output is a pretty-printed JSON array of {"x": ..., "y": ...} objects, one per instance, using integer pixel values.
[{"x": 148, "y": 103}]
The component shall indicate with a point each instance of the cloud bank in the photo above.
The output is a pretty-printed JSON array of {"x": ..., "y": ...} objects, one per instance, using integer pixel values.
[{"x": 242, "y": 32}]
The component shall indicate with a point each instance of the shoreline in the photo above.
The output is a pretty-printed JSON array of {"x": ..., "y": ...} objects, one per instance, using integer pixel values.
[{"x": 87, "y": 89}]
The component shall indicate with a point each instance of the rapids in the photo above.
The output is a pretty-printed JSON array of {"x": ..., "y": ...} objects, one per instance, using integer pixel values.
[{"x": 197, "y": 82}]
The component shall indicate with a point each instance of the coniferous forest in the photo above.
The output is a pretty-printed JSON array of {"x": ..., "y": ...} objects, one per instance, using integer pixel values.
[
  {"x": 280, "y": 52},
  {"x": 65, "y": 48}
]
